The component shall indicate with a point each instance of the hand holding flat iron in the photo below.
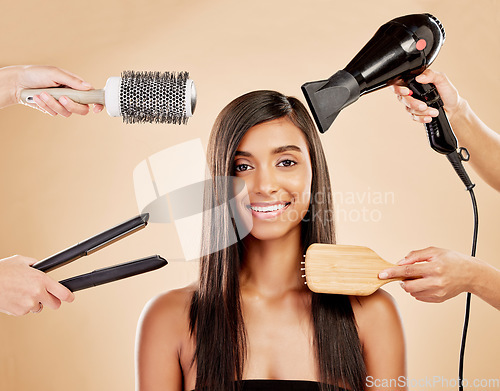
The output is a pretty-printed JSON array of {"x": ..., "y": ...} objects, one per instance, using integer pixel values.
[{"x": 24, "y": 289}]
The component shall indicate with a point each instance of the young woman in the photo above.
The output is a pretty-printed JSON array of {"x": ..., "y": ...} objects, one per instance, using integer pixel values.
[{"x": 250, "y": 317}]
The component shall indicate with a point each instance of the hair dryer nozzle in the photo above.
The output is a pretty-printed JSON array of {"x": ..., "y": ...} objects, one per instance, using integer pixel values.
[{"x": 327, "y": 97}]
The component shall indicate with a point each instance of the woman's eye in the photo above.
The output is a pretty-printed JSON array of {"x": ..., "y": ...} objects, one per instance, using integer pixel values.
[
  {"x": 241, "y": 167},
  {"x": 287, "y": 163}
]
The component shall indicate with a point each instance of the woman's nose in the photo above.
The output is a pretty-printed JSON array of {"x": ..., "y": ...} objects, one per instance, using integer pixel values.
[{"x": 266, "y": 182}]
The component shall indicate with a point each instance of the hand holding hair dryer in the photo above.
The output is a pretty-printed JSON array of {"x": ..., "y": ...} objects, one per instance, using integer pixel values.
[{"x": 400, "y": 50}]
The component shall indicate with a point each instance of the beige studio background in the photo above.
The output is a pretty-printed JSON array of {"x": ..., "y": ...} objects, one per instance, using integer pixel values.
[{"x": 66, "y": 179}]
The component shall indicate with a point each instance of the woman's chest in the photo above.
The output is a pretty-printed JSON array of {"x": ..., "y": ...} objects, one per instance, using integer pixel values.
[{"x": 280, "y": 342}]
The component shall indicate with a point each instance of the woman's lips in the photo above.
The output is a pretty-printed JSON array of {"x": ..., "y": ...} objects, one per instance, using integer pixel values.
[{"x": 264, "y": 210}]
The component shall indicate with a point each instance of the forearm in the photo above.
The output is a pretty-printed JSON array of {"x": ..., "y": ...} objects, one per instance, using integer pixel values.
[
  {"x": 8, "y": 85},
  {"x": 482, "y": 143},
  {"x": 485, "y": 283}
]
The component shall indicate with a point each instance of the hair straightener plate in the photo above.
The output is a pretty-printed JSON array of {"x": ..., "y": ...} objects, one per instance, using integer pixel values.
[{"x": 95, "y": 243}]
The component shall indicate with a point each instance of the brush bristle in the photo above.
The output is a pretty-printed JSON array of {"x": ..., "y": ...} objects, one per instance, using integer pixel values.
[{"x": 158, "y": 97}]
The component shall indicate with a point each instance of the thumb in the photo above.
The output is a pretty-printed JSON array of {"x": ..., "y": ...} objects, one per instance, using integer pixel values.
[
  {"x": 407, "y": 261},
  {"x": 27, "y": 260},
  {"x": 69, "y": 79},
  {"x": 58, "y": 290},
  {"x": 424, "y": 255},
  {"x": 428, "y": 76}
]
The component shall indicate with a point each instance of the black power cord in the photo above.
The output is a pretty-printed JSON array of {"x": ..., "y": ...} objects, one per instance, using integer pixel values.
[
  {"x": 443, "y": 140},
  {"x": 468, "y": 299},
  {"x": 456, "y": 157}
]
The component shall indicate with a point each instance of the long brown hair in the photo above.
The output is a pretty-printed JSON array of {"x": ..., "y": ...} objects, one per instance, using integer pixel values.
[{"x": 216, "y": 320}]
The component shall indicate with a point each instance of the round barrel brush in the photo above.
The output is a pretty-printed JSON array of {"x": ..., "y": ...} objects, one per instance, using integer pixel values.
[{"x": 138, "y": 97}]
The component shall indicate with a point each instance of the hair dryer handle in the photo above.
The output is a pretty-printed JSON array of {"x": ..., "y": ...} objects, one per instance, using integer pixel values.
[{"x": 439, "y": 131}]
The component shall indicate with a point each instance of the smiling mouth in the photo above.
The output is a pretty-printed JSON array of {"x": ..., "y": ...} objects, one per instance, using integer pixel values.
[{"x": 268, "y": 209}]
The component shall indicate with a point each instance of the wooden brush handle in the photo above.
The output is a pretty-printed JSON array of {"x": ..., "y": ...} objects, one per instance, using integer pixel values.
[{"x": 83, "y": 97}]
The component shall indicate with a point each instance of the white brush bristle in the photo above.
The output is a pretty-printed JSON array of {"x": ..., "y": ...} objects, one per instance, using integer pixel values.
[{"x": 159, "y": 97}]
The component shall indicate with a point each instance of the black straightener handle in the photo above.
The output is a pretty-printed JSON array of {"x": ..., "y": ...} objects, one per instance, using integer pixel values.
[{"x": 439, "y": 131}]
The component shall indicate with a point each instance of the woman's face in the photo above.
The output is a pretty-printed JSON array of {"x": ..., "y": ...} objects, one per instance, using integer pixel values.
[{"x": 273, "y": 160}]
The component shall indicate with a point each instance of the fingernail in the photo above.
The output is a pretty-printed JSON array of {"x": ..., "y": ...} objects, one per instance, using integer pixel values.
[
  {"x": 86, "y": 85},
  {"x": 383, "y": 275},
  {"x": 422, "y": 106},
  {"x": 410, "y": 92},
  {"x": 44, "y": 96},
  {"x": 427, "y": 119},
  {"x": 434, "y": 112},
  {"x": 63, "y": 100}
]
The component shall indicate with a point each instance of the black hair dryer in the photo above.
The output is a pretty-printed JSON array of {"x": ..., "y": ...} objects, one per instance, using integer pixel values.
[{"x": 399, "y": 51}]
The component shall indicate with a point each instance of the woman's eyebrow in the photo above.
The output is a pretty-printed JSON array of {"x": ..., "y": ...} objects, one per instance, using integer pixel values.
[
  {"x": 277, "y": 150},
  {"x": 243, "y": 153},
  {"x": 287, "y": 148}
]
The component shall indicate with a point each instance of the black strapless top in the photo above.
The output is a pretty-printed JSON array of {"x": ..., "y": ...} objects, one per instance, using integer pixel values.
[{"x": 279, "y": 385}]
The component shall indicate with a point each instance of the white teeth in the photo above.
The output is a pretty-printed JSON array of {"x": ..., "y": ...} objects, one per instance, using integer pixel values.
[{"x": 271, "y": 208}]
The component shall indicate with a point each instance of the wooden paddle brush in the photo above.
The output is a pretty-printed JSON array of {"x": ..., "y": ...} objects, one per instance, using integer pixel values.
[{"x": 344, "y": 269}]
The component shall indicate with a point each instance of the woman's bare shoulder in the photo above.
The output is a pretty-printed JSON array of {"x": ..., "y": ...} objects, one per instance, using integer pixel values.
[
  {"x": 375, "y": 312},
  {"x": 380, "y": 300},
  {"x": 163, "y": 339},
  {"x": 169, "y": 311},
  {"x": 378, "y": 309},
  {"x": 172, "y": 300},
  {"x": 381, "y": 335}
]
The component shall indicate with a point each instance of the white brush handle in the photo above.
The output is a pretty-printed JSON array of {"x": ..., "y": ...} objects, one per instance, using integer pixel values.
[
  {"x": 83, "y": 97},
  {"x": 109, "y": 96}
]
